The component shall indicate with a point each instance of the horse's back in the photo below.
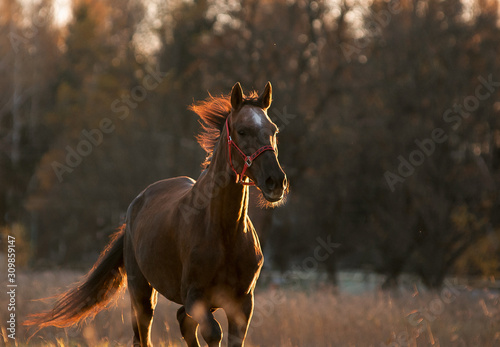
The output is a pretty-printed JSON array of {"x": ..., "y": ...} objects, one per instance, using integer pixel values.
[{"x": 171, "y": 187}]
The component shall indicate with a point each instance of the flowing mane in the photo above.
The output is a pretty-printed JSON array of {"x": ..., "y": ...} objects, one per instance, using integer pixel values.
[{"x": 213, "y": 112}]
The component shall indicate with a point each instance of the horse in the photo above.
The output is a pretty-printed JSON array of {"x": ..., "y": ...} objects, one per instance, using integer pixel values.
[{"x": 191, "y": 241}]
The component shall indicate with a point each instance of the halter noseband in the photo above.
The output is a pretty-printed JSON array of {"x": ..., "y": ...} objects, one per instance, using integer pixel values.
[{"x": 248, "y": 159}]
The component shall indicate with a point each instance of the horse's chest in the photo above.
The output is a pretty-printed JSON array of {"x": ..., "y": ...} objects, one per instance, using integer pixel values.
[{"x": 241, "y": 269}]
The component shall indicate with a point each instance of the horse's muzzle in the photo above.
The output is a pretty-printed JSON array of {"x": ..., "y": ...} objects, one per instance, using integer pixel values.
[{"x": 275, "y": 187}]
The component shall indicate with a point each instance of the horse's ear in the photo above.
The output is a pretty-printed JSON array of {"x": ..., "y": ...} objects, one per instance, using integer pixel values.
[
  {"x": 236, "y": 96},
  {"x": 267, "y": 96}
]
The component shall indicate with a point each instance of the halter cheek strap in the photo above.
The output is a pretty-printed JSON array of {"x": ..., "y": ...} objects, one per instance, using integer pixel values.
[{"x": 248, "y": 159}]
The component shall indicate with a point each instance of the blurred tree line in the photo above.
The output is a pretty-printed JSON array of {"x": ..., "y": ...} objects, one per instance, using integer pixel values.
[{"x": 388, "y": 110}]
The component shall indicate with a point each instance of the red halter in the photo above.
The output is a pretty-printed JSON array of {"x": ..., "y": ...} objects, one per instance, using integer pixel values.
[{"x": 247, "y": 158}]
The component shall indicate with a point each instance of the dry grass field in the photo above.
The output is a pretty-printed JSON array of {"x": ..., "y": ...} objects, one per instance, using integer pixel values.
[{"x": 455, "y": 316}]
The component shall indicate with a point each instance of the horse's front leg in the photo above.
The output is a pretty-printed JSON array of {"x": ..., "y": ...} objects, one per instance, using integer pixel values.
[
  {"x": 238, "y": 318},
  {"x": 188, "y": 327},
  {"x": 198, "y": 311}
]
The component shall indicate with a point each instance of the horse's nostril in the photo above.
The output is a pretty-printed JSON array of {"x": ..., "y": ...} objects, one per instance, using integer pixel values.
[{"x": 270, "y": 184}]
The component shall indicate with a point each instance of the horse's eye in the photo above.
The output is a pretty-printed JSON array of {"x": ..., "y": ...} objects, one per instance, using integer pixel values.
[{"x": 241, "y": 132}]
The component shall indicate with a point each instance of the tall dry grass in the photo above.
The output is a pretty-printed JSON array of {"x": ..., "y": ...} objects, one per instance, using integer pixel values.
[{"x": 286, "y": 317}]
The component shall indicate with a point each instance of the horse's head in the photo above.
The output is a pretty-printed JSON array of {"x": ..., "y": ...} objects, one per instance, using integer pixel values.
[{"x": 253, "y": 146}]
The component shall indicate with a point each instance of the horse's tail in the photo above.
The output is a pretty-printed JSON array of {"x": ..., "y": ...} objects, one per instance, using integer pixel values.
[{"x": 91, "y": 295}]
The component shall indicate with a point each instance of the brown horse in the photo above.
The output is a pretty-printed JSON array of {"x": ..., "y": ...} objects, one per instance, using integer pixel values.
[{"x": 192, "y": 241}]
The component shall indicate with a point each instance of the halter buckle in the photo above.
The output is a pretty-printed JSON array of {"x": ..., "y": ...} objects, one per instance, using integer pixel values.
[{"x": 248, "y": 161}]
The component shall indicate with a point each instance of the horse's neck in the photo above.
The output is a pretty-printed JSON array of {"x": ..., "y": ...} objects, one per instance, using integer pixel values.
[{"x": 227, "y": 200}]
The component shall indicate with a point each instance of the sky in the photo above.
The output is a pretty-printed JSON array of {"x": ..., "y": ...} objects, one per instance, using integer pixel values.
[
  {"x": 62, "y": 11},
  {"x": 62, "y": 8}
]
